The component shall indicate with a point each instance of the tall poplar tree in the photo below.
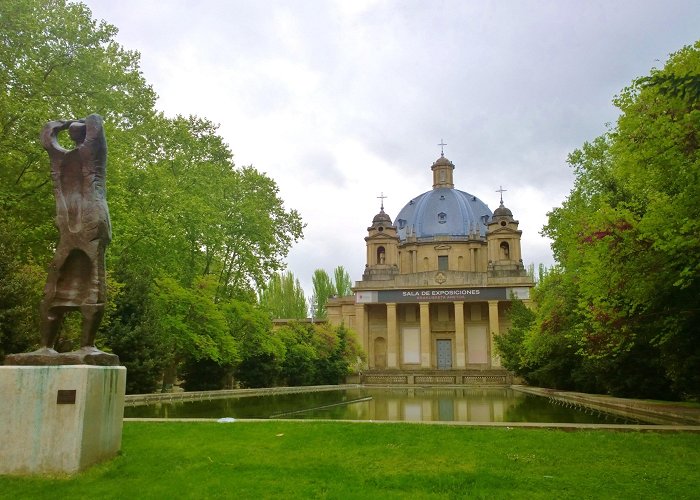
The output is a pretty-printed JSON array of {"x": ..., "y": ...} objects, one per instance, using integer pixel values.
[
  {"x": 323, "y": 290},
  {"x": 342, "y": 282},
  {"x": 283, "y": 297}
]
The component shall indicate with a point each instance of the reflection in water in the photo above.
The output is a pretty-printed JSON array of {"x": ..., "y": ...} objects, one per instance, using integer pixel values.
[{"x": 394, "y": 404}]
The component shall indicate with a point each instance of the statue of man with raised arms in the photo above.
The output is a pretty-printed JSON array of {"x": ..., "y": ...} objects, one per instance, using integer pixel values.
[{"x": 76, "y": 279}]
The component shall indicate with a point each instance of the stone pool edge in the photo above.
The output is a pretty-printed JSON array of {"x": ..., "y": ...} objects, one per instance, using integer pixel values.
[
  {"x": 504, "y": 425},
  {"x": 659, "y": 413},
  {"x": 167, "y": 397}
]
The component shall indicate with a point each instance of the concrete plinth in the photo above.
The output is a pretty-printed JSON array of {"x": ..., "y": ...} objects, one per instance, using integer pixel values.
[{"x": 59, "y": 419}]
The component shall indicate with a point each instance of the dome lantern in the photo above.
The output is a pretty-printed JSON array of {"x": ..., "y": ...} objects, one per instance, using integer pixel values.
[{"x": 442, "y": 173}]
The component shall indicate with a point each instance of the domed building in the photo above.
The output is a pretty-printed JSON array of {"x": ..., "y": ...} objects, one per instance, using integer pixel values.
[{"x": 437, "y": 284}]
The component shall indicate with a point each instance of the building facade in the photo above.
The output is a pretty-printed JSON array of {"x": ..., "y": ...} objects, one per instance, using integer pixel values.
[{"x": 436, "y": 288}]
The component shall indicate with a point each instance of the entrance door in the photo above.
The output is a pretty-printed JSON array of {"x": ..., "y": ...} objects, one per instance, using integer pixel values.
[{"x": 444, "y": 354}]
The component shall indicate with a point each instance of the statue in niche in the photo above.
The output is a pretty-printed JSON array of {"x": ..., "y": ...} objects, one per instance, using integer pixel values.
[
  {"x": 76, "y": 278},
  {"x": 505, "y": 251}
]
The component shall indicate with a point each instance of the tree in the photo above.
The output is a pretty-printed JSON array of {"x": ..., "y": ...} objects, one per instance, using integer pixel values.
[
  {"x": 342, "y": 281},
  {"x": 186, "y": 213},
  {"x": 205, "y": 375},
  {"x": 258, "y": 233},
  {"x": 192, "y": 231},
  {"x": 55, "y": 62},
  {"x": 20, "y": 286},
  {"x": 318, "y": 353},
  {"x": 626, "y": 242},
  {"x": 511, "y": 343},
  {"x": 283, "y": 297},
  {"x": 189, "y": 325},
  {"x": 339, "y": 353},
  {"x": 300, "y": 365},
  {"x": 323, "y": 290},
  {"x": 262, "y": 352}
]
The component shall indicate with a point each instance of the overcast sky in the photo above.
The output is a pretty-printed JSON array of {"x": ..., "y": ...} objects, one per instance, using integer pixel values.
[{"x": 339, "y": 101}]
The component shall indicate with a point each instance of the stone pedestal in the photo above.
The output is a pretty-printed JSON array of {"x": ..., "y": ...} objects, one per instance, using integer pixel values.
[{"x": 59, "y": 419}]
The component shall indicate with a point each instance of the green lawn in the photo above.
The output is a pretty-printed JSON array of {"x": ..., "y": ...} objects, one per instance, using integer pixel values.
[{"x": 367, "y": 461}]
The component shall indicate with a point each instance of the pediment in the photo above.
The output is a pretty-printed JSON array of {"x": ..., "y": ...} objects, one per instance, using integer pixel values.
[
  {"x": 505, "y": 230},
  {"x": 382, "y": 237}
]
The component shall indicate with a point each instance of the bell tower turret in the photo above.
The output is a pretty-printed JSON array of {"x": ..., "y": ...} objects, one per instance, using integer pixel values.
[
  {"x": 382, "y": 243},
  {"x": 503, "y": 238}
]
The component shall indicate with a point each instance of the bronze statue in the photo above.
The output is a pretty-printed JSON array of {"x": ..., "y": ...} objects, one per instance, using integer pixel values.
[{"x": 76, "y": 279}]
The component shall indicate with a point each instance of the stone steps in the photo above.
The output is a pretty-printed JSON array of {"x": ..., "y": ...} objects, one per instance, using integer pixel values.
[{"x": 437, "y": 377}]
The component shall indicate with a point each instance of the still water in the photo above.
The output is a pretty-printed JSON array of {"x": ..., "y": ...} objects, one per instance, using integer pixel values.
[{"x": 396, "y": 404}]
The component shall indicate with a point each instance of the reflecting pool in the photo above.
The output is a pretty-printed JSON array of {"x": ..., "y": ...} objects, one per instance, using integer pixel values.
[{"x": 395, "y": 404}]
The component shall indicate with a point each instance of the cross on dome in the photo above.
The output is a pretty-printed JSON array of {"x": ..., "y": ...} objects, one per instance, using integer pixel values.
[
  {"x": 382, "y": 197},
  {"x": 442, "y": 147},
  {"x": 501, "y": 190}
]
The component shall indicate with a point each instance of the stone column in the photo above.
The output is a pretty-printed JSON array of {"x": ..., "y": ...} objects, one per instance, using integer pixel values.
[
  {"x": 493, "y": 328},
  {"x": 459, "y": 335},
  {"x": 425, "y": 357},
  {"x": 363, "y": 330},
  {"x": 391, "y": 336}
]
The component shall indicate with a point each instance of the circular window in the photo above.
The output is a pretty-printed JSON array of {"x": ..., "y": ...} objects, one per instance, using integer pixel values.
[
  {"x": 381, "y": 228},
  {"x": 503, "y": 223}
]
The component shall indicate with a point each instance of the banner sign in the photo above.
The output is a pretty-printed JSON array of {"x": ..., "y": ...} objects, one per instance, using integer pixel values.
[{"x": 440, "y": 295}]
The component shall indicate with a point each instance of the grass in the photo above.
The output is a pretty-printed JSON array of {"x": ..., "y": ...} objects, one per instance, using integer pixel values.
[{"x": 366, "y": 461}]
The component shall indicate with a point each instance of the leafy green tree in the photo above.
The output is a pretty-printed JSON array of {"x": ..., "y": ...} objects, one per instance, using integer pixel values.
[
  {"x": 339, "y": 357},
  {"x": 258, "y": 233},
  {"x": 182, "y": 211},
  {"x": 323, "y": 290},
  {"x": 318, "y": 353},
  {"x": 189, "y": 324},
  {"x": 511, "y": 343},
  {"x": 300, "y": 365},
  {"x": 55, "y": 62},
  {"x": 626, "y": 242},
  {"x": 188, "y": 211},
  {"x": 342, "y": 282},
  {"x": 283, "y": 297},
  {"x": 205, "y": 375},
  {"x": 262, "y": 352},
  {"x": 326, "y": 287},
  {"x": 20, "y": 286},
  {"x": 142, "y": 355},
  {"x": 192, "y": 231}
]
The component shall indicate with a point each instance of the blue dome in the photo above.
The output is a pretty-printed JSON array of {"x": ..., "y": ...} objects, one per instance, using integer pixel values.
[{"x": 443, "y": 211}]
